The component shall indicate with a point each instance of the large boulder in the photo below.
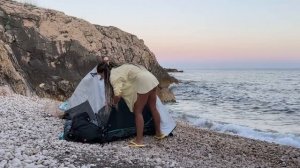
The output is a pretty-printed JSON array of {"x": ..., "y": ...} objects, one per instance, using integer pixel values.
[{"x": 47, "y": 53}]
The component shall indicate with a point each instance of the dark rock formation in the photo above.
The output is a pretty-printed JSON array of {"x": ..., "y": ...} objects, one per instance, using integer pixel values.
[
  {"x": 46, "y": 52},
  {"x": 172, "y": 70}
]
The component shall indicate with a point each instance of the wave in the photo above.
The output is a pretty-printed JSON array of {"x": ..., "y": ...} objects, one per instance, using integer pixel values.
[
  {"x": 263, "y": 99},
  {"x": 283, "y": 139}
]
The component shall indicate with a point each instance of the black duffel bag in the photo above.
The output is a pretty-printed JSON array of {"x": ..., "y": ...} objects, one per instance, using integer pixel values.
[{"x": 83, "y": 130}]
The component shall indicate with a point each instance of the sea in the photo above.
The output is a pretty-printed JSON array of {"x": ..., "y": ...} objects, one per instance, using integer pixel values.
[{"x": 258, "y": 104}]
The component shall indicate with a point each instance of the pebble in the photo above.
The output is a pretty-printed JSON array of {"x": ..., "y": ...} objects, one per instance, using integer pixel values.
[
  {"x": 31, "y": 165},
  {"x": 29, "y": 138},
  {"x": 71, "y": 166},
  {"x": 3, "y": 163}
]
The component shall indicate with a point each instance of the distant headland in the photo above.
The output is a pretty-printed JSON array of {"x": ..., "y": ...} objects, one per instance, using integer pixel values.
[{"x": 172, "y": 70}]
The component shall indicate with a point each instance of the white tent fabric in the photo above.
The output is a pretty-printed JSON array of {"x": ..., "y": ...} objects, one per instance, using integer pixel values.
[
  {"x": 91, "y": 89},
  {"x": 167, "y": 124}
]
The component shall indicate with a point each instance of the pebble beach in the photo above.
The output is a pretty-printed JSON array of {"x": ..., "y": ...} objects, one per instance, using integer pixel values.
[{"x": 29, "y": 138}]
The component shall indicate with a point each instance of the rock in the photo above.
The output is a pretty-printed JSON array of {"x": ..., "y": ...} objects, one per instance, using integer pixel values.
[
  {"x": 8, "y": 73},
  {"x": 74, "y": 156},
  {"x": 30, "y": 165},
  {"x": 172, "y": 70},
  {"x": 16, "y": 162},
  {"x": 42, "y": 44},
  {"x": 28, "y": 161},
  {"x": 8, "y": 156},
  {"x": 3, "y": 163},
  {"x": 166, "y": 95},
  {"x": 71, "y": 166},
  {"x": 173, "y": 164},
  {"x": 5, "y": 91},
  {"x": 158, "y": 160}
]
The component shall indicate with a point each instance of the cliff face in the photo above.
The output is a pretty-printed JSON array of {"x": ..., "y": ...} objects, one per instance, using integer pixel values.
[{"x": 47, "y": 53}]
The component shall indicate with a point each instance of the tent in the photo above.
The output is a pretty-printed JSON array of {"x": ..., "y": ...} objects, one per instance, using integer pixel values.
[{"x": 89, "y": 98}]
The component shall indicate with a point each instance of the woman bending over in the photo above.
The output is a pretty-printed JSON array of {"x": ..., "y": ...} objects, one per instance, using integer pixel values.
[{"x": 137, "y": 86}]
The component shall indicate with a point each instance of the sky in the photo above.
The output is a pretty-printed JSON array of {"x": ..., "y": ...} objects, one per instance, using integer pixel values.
[{"x": 201, "y": 33}]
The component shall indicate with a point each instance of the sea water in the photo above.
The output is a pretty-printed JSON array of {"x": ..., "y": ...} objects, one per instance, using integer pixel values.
[{"x": 258, "y": 104}]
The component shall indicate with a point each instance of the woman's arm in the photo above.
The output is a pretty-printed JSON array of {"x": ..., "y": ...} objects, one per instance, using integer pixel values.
[
  {"x": 117, "y": 84},
  {"x": 117, "y": 88}
]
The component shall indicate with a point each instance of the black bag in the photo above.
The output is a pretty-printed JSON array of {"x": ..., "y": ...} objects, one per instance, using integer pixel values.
[
  {"x": 80, "y": 127},
  {"x": 83, "y": 130}
]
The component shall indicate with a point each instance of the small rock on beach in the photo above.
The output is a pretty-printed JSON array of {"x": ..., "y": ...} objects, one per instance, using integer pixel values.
[{"x": 29, "y": 138}]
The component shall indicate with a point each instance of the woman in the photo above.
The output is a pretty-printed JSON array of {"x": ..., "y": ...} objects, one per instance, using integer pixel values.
[{"x": 137, "y": 86}]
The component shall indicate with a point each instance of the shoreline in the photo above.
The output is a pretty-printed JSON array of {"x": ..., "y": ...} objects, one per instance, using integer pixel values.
[
  {"x": 220, "y": 100},
  {"x": 29, "y": 137},
  {"x": 287, "y": 139}
]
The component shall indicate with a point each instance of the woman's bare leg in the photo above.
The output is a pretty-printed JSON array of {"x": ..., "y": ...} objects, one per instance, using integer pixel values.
[
  {"x": 155, "y": 114},
  {"x": 138, "y": 113}
]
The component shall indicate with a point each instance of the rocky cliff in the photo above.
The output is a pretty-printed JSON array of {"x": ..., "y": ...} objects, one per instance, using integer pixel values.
[{"x": 46, "y": 52}]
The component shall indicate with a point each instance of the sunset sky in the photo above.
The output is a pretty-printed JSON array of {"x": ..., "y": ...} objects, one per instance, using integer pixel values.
[{"x": 205, "y": 33}]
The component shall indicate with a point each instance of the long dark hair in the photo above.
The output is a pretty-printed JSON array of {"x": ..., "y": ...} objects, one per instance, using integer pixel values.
[{"x": 105, "y": 68}]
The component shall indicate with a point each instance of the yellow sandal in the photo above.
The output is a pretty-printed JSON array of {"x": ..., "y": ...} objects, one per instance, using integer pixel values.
[
  {"x": 160, "y": 137},
  {"x": 132, "y": 143}
]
